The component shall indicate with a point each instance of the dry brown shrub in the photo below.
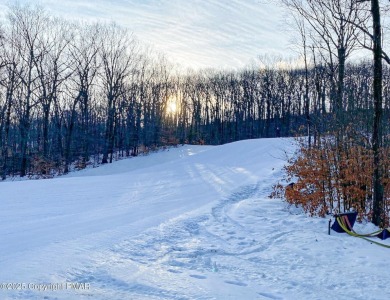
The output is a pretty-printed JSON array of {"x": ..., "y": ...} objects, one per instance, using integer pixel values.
[
  {"x": 42, "y": 167},
  {"x": 334, "y": 176}
]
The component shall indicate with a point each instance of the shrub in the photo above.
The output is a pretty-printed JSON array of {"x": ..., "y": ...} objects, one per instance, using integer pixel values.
[{"x": 334, "y": 176}]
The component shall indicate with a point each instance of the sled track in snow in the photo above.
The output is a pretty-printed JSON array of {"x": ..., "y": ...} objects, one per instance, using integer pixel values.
[
  {"x": 198, "y": 245},
  {"x": 245, "y": 192},
  {"x": 195, "y": 244}
]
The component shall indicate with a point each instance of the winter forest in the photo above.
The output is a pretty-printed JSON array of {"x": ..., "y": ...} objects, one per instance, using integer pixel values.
[
  {"x": 146, "y": 152},
  {"x": 75, "y": 93}
]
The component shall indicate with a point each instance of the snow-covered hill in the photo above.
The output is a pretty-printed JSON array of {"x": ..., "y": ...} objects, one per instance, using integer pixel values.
[{"x": 193, "y": 222}]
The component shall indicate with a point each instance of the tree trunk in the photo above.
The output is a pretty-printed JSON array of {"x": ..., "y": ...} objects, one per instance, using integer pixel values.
[
  {"x": 46, "y": 115},
  {"x": 378, "y": 207},
  {"x": 109, "y": 130},
  {"x": 24, "y": 128},
  {"x": 68, "y": 140}
]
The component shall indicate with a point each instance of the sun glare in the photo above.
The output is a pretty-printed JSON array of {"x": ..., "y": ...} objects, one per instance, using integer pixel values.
[{"x": 172, "y": 106}]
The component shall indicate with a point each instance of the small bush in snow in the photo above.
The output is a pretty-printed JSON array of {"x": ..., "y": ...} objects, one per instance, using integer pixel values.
[{"x": 334, "y": 176}]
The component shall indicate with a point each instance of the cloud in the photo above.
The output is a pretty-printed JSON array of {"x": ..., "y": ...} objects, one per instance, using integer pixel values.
[{"x": 193, "y": 33}]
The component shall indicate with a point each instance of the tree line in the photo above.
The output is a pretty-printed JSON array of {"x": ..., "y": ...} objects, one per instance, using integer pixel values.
[
  {"x": 72, "y": 94},
  {"x": 70, "y": 91}
]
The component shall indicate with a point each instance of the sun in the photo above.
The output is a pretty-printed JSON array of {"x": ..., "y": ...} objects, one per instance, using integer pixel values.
[{"x": 171, "y": 105}]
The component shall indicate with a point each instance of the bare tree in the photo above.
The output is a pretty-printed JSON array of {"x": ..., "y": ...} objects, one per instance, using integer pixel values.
[
  {"x": 9, "y": 81},
  {"x": 333, "y": 33},
  {"x": 53, "y": 69},
  {"x": 378, "y": 99},
  {"x": 28, "y": 25},
  {"x": 116, "y": 49},
  {"x": 83, "y": 52}
]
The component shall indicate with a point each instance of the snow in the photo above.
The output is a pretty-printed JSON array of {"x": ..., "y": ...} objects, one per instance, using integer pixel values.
[{"x": 192, "y": 222}]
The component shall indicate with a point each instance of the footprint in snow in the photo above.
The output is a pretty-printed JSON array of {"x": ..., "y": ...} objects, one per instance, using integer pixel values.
[
  {"x": 239, "y": 283},
  {"x": 174, "y": 271},
  {"x": 270, "y": 296},
  {"x": 198, "y": 276}
]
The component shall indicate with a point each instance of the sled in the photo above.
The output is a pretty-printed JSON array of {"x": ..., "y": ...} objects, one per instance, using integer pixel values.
[{"x": 347, "y": 218}]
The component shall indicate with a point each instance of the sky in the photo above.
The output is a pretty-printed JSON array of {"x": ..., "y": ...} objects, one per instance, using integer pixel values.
[{"x": 192, "y": 33}]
